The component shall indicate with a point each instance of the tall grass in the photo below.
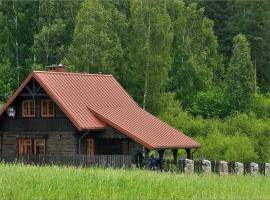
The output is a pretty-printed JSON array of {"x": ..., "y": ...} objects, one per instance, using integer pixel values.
[{"x": 31, "y": 182}]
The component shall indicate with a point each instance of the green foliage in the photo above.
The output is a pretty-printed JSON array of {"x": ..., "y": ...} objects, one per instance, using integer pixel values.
[
  {"x": 253, "y": 21},
  {"x": 260, "y": 105},
  {"x": 217, "y": 146},
  {"x": 219, "y": 136},
  {"x": 240, "y": 148},
  {"x": 35, "y": 182},
  {"x": 150, "y": 58},
  {"x": 209, "y": 104},
  {"x": 250, "y": 18},
  {"x": 239, "y": 77},
  {"x": 1, "y": 104},
  {"x": 196, "y": 62},
  {"x": 5, "y": 81},
  {"x": 96, "y": 46},
  {"x": 48, "y": 47},
  {"x": 31, "y": 33}
]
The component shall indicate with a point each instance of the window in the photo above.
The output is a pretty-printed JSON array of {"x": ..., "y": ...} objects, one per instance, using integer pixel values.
[
  {"x": 47, "y": 108},
  {"x": 24, "y": 146},
  {"x": 28, "y": 108},
  {"x": 39, "y": 147}
]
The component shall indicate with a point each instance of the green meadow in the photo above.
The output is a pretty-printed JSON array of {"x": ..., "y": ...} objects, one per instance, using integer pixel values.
[{"x": 46, "y": 182}]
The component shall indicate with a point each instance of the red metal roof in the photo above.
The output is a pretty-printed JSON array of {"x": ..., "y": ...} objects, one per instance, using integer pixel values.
[
  {"x": 143, "y": 127},
  {"x": 91, "y": 101}
]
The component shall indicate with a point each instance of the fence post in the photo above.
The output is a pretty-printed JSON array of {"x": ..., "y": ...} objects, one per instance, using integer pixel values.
[
  {"x": 189, "y": 166},
  {"x": 239, "y": 168},
  {"x": 254, "y": 169},
  {"x": 267, "y": 169},
  {"x": 206, "y": 167},
  {"x": 223, "y": 168}
]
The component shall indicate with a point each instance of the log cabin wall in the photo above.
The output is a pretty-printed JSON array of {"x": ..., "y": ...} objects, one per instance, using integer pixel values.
[
  {"x": 58, "y": 131},
  {"x": 57, "y": 143},
  {"x": 36, "y": 124}
]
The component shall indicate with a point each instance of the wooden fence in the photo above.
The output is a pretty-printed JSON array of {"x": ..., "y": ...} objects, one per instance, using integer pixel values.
[
  {"x": 114, "y": 161},
  {"x": 124, "y": 161}
]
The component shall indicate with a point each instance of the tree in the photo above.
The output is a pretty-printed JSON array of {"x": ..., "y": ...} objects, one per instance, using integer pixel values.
[
  {"x": 196, "y": 62},
  {"x": 239, "y": 77},
  {"x": 26, "y": 27},
  {"x": 6, "y": 81},
  {"x": 54, "y": 30},
  {"x": 16, "y": 21},
  {"x": 96, "y": 46},
  {"x": 253, "y": 21},
  {"x": 48, "y": 46},
  {"x": 149, "y": 52},
  {"x": 221, "y": 13},
  {"x": 250, "y": 18}
]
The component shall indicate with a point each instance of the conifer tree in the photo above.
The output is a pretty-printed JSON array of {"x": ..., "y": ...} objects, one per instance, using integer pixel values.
[{"x": 239, "y": 75}]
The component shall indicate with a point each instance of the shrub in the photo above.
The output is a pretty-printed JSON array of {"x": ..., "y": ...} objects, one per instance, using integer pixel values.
[
  {"x": 217, "y": 146},
  {"x": 239, "y": 148},
  {"x": 260, "y": 105},
  {"x": 209, "y": 104}
]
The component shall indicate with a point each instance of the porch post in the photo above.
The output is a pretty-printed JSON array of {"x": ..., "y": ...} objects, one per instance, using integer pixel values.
[
  {"x": 188, "y": 153},
  {"x": 146, "y": 153},
  {"x": 175, "y": 151},
  {"x": 161, "y": 156}
]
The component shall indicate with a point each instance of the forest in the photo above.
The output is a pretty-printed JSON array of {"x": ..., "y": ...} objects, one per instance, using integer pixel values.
[{"x": 201, "y": 66}]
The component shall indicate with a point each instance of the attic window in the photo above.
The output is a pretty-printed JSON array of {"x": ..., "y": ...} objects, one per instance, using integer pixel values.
[
  {"x": 47, "y": 108},
  {"x": 28, "y": 108}
]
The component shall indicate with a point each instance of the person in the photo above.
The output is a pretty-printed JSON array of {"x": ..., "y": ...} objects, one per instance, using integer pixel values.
[{"x": 152, "y": 163}]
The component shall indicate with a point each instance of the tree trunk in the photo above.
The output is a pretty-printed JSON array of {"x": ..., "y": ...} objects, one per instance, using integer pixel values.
[
  {"x": 147, "y": 63},
  {"x": 255, "y": 74},
  {"x": 16, "y": 42}
]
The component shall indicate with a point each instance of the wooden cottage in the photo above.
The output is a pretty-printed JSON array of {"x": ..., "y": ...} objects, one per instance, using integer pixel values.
[{"x": 56, "y": 114}]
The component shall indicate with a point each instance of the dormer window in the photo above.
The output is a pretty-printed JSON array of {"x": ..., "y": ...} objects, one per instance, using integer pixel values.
[
  {"x": 47, "y": 108},
  {"x": 28, "y": 108}
]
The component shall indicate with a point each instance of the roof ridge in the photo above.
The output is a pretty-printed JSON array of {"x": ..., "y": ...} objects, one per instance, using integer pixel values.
[{"x": 73, "y": 73}]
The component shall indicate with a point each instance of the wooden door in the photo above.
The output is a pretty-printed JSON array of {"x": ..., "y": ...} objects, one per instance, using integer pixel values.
[{"x": 90, "y": 147}]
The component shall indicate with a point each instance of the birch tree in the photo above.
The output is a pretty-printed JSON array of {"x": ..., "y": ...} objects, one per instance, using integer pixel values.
[{"x": 150, "y": 46}]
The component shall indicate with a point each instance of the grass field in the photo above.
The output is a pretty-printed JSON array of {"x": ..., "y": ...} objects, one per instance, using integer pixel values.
[{"x": 30, "y": 182}]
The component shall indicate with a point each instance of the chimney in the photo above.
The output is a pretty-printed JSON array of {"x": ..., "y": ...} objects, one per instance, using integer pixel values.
[{"x": 56, "y": 68}]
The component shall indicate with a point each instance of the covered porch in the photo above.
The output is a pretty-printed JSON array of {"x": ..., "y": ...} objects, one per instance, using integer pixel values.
[{"x": 121, "y": 147}]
